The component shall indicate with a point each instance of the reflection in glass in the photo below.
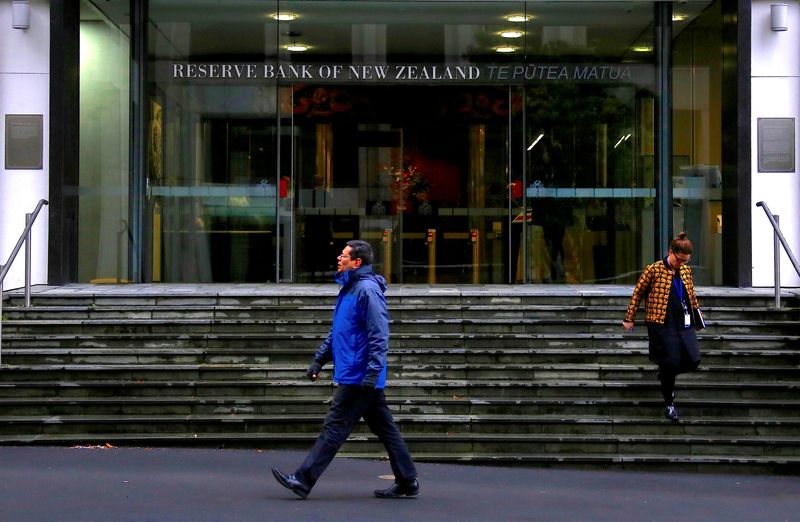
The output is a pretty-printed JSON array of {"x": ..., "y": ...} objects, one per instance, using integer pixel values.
[
  {"x": 589, "y": 184},
  {"x": 103, "y": 223},
  {"x": 548, "y": 177},
  {"x": 697, "y": 138},
  {"x": 213, "y": 187}
]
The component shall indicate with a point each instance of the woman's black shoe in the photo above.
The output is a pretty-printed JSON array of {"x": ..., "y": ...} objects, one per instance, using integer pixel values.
[{"x": 671, "y": 413}]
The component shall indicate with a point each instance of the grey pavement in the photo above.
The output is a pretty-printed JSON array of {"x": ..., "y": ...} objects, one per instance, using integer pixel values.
[{"x": 178, "y": 484}]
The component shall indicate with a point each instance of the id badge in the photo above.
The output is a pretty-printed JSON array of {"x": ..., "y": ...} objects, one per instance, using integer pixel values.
[{"x": 687, "y": 319}]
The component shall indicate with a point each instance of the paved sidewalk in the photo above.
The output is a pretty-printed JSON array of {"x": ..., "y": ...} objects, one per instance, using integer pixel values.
[{"x": 141, "y": 484}]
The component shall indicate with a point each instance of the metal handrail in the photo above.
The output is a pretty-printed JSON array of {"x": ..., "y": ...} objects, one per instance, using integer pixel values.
[
  {"x": 778, "y": 240},
  {"x": 24, "y": 238}
]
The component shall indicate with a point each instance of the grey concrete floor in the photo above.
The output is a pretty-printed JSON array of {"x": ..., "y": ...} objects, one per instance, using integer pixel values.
[{"x": 156, "y": 484}]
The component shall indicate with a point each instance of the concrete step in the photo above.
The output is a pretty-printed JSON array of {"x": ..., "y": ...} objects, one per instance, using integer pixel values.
[
  {"x": 399, "y": 312},
  {"x": 490, "y": 373},
  {"x": 397, "y": 326},
  {"x": 432, "y": 339},
  {"x": 304, "y": 295},
  {"x": 590, "y": 389},
  {"x": 402, "y": 370},
  {"x": 527, "y": 435},
  {"x": 548, "y": 425},
  {"x": 731, "y": 462},
  {"x": 448, "y": 373},
  {"x": 575, "y": 354},
  {"x": 647, "y": 406}
]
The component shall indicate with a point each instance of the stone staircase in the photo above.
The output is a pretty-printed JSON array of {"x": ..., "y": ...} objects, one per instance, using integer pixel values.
[{"x": 499, "y": 374}]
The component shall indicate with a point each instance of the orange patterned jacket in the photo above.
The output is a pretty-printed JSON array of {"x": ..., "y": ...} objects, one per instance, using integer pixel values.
[{"x": 653, "y": 286}]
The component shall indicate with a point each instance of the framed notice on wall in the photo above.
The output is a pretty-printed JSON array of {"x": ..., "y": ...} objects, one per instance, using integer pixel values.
[
  {"x": 24, "y": 142},
  {"x": 776, "y": 144}
]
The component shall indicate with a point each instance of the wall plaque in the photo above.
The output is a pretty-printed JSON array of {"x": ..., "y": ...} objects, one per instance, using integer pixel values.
[
  {"x": 24, "y": 141},
  {"x": 776, "y": 144}
]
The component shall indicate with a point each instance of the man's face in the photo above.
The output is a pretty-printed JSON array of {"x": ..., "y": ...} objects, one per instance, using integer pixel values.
[{"x": 346, "y": 262}]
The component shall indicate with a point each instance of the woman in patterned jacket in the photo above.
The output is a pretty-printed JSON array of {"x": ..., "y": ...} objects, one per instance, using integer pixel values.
[{"x": 670, "y": 305}]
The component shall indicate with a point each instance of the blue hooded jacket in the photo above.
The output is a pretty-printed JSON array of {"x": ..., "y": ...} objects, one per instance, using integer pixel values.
[{"x": 359, "y": 338}]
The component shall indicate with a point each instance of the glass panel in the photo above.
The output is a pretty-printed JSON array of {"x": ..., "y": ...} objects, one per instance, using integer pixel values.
[
  {"x": 588, "y": 145},
  {"x": 539, "y": 170},
  {"x": 212, "y": 179},
  {"x": 420, "y": 169},
  {"x": 104, "y": 143},
  {"x": 697, "y": 134},
  {"x": 590, "y": 182}
]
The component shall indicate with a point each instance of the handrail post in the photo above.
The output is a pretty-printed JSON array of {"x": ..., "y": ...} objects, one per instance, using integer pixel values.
[
  {"x": 28, "y": 261},
  {"x": 24, "y": 238},
  {"x": 777, "y": 229},
  {"x": 778, "y": 240},
  {"x": 776, "y": 247}
]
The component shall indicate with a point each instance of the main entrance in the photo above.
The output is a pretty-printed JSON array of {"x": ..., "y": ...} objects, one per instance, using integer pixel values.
[
  {"x": 420, "y": 172},
  {"x": 473, "y": 185},
  {"x": 512, "y": 142},
  {"x": 451, "y": 184}
]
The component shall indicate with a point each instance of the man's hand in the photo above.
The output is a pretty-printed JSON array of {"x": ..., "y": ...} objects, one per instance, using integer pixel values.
[
  {"x": 369, "y": 382},
  {"x": 313, "y": 370}
]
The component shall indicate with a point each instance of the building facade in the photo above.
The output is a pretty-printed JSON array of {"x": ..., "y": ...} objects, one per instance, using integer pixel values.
[{"x": 472, "y": 142}]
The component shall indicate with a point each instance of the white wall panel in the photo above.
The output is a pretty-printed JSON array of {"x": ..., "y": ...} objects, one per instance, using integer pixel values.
[
  {"x": 24, "y": 89},
  {"x": 775, "y": 94}
]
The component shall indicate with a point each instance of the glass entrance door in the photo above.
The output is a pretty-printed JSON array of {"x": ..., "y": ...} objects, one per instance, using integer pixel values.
[
  {"x": 471, "y": 142},
  {"x": 589, "y": 178},
  {"x": 216, "y": 220},
  {"x": 420, "y": 172}
]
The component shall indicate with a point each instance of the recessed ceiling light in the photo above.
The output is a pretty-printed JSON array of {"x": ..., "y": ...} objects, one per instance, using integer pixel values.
[
  {"x": 511, "y": 34},
  {"x": 296, "y": 48},
  {"x": 642, "y": 49},
  {"x": 505, "y": 49},
  {"x": 679, "y": 17},
  {"x": 517, "y": 18},
  {"x": 284, "y": 17}
]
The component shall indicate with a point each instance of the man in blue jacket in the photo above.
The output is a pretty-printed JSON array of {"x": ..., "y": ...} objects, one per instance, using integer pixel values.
[{"x": 357, "y": 344}]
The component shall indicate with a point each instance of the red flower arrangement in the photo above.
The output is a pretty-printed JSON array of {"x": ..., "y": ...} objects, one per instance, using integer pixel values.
[{"x": 405, "y": 181}]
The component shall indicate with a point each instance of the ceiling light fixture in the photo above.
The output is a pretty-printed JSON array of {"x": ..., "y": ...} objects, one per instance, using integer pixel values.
[
  {"x": 284, "y": 17},
  {"x": 296, "y": 48},
  {"x": 511, "y": 34},
  {"x": 679, "y": 17},
  {"x": 622, "y": 139},
  {"x": 532, "y": 145},
  {"x": 642, "y": 49},
  {"x": 506, "y": 49},
  {"x": 519, "y": 18}
]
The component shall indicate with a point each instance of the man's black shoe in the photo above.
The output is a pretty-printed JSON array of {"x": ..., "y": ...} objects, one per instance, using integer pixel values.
[
  {"x": 409, "y": 490},
  {"x": 291, "y": 483}
]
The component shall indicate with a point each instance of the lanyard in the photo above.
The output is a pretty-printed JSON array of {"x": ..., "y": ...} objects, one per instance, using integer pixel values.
[
  {"x": 687, "y": 317},
  {"x": 679, "y": 288}
]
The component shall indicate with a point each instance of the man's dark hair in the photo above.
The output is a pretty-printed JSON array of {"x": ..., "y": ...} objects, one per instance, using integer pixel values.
[{"x": 361, "y": 250}]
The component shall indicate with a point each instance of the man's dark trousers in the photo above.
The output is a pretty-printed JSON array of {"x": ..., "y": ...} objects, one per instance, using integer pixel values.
[{"x": 350, "y": 403}]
